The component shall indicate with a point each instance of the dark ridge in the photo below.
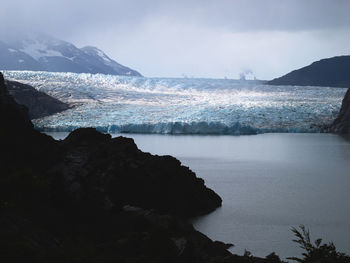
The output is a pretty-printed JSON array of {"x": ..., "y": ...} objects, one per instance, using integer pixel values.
[
  {"x": 38, "y": 103},
  {"x": 342, "y": 123},
  {"x": 330, "y": 72}
]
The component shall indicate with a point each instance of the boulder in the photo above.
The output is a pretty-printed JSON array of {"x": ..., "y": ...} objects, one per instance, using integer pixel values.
[{"x": 120, "y": 174}]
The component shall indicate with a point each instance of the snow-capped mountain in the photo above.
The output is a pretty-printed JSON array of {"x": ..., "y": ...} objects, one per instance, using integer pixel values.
[{"x": 45, "y": 53}]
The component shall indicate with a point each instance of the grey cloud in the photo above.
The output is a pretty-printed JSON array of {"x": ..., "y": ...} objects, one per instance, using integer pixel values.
[
  {"x": 236, "y": 15},
  {"x": 195, "y": 37},
  {"x": 284, "y": 15}
]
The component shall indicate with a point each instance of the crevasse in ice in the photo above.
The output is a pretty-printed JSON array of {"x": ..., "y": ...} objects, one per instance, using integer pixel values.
[{"x": 182, "y": 106}]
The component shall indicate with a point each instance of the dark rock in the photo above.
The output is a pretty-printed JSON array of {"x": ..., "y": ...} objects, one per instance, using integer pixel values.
[
  {"x": 86, "y": 136},
  {"x": 342, "y": 123},
  {"x": 11, "y": 112},
  {"x": 22, "y": 148},
  {"x": 330, "y": 72},
  {"x": 38, "y": 103},
  {"x": 128, "y": 176},
  {"x": 223, "y": 245}
]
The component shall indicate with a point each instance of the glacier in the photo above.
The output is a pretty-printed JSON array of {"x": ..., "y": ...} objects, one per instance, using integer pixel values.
[{"x": 122, "y": 104}]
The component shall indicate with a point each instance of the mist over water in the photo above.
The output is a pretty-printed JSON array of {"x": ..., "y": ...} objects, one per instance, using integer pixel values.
[{"x": 182, "y": 106}]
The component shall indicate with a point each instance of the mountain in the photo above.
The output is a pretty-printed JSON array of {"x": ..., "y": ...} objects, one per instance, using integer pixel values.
[
  {"x": 330, "y": 72},
  {"x": 39, "y": 104},
  {"x": 39, "y": 52}
]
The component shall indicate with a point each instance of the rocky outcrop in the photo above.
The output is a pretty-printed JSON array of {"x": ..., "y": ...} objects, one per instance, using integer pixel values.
[
  {"x": 21, "y": 147},
  {"x": 330, "y": 72},
  {"x": 11, "y": 112},
  {"x": 38, "y": 103},
  {"x": 117, "y": 173},
  {"x": 91, "y": 198},
  {"x": 342, "y": 123}
]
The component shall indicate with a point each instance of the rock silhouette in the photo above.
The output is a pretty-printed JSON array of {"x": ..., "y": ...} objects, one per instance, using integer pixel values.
[
  {"x": 342, "y": 123},
  {"x": 38, "y": 103},
  {"x": 329, "y": 72}
]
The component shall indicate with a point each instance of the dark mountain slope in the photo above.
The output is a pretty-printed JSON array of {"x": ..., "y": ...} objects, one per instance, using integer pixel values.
[
  {"x": 330, "y": 72},
  {"x": 342, "y": 122},
  {"x": 38, "y": 103}
]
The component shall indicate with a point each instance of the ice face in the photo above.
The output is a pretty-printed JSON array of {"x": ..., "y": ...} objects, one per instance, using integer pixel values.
[{"x": 182, "y": 106}]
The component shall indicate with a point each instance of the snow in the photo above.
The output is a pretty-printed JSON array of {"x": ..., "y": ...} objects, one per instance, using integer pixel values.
[
  {"x": 102, "y": 55},
  {"x": 72, "y": 58},
  {"x": 37, "y": 50},
  {"x": 97, "y": 52},
  {"x": 182, "y": 106}
]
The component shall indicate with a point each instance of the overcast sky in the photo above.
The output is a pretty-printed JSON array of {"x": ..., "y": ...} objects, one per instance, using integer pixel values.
[{"x": 199, "y": 38}]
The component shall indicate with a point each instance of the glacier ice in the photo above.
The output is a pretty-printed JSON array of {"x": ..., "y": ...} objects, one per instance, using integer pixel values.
[{"x": 181, "y": 106}]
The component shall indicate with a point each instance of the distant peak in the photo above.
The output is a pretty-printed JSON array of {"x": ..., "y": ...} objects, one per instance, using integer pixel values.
[{"x": 328, "y": 72}]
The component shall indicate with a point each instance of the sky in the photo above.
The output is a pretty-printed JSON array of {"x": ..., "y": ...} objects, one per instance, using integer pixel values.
[{"x": 194, "y": 38}]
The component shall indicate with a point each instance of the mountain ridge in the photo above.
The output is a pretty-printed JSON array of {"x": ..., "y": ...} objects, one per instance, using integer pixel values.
[
  {"x": 328, "y": 72},
  {"x": 39, "y": 104},
  {"x": 341, "y": 124},
  {"x": 39, "y": 52}
]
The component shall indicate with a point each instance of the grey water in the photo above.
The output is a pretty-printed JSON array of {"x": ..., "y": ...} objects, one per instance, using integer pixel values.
[{"x": 268, "y": 183}]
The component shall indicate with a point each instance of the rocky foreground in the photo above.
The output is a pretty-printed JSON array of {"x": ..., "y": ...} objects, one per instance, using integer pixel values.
[{"x": 91, "y": 198}]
